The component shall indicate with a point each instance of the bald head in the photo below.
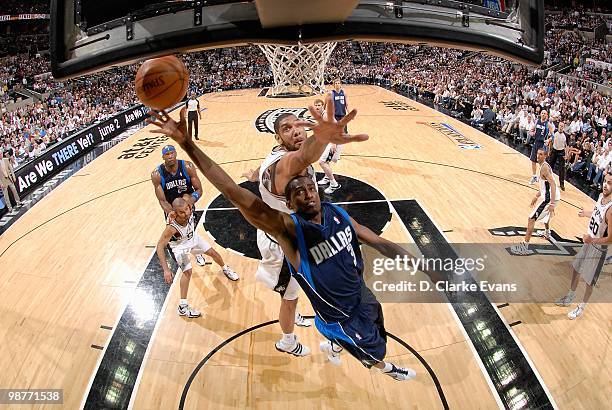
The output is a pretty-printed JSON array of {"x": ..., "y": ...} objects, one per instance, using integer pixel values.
[
  {"x": 178, "y": 203},
  {"x": 182, "y": 210}
]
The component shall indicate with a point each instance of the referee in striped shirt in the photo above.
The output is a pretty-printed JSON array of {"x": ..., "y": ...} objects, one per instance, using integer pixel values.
[{"x": 193, "y": 114}]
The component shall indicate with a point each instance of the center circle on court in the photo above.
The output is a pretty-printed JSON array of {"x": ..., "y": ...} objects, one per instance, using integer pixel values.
[{"x": 366, "y": 204}]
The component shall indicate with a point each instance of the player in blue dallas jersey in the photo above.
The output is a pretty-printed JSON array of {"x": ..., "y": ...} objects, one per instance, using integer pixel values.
[{"x": 321, "y": 242}]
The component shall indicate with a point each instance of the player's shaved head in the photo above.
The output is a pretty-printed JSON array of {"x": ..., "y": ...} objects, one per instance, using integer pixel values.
[
  {"x": 182, "y": 210},
  {"x": 302, "y": 196},
  {"x": 293, "y": 184},
  {"x": 178, "y": 203}
]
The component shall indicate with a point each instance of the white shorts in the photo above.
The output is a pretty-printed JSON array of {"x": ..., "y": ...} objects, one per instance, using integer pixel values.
[
  {"x": 327, "y": 157},
  {"x": 181, "y": 253},
  {"x": 540, "y": 211},
  {"x": 273, "y": 270},
  {"x": 590, "y": 261}
]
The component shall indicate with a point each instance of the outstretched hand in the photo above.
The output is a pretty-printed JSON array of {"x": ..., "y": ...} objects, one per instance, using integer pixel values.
[
  {"x": 328, "y": 130},
  {"x": 175, "y": 130}
]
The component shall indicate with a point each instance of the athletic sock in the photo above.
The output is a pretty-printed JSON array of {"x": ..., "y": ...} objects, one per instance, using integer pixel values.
[
  {"x": 183, "y": 302},
  {"x": 288, "y": 338},
  {"x": 571, "y": 293}
]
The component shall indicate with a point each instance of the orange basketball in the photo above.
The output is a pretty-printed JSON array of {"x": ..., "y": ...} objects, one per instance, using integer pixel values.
[{"x": 161, "y": 82}]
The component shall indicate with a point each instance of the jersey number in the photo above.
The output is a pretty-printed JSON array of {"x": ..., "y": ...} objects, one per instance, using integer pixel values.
[{"x": 594, "y": 226}]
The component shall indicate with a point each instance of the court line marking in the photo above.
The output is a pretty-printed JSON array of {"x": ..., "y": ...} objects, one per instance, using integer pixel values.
[
  {"x": 256, "y": 159},
  {"x": 145, "y": 358},
  {"x": 463, "y": 169},
  {"x": 148, "y": 180},
  {"x": 227, "y": 341},
  {"x": 466, "y": 337},
  {"x": 524, "y": 351},
  {"x": 503, "y": 319},
  {"x": 385, "y": 200},
  {"x": 109, "y": 337}
]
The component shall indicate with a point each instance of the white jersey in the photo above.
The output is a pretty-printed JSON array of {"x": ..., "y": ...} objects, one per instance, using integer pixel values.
[
  {"x": 545, "y": 189},
  {"x": 598, "y": 225},
  {"x": 266, "y": 179},
  {"x": 185, "y": 237},
  {"x": 192, "y": 105}
]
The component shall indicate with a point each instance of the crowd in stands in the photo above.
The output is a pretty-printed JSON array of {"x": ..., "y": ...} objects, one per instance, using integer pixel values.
[
  {"x": 490, "y": 92},
  {"x": 227, "y": 69},
  {"x": 581, "y": 19},
  {"x": 497, "y": 95},
  {"x": 69, "y": 106},
  {"x": 25, "y": 7}
]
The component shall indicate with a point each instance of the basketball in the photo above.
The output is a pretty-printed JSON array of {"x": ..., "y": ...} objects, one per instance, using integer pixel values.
[{"x": 161, "y": 82}]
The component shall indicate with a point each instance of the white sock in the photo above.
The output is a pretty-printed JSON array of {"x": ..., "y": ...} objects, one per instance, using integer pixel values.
[
  {"x": 336, "y": 348},
  {"x": 288, "y": 338},
  {"x": 582, "y": 305},
  {"x": 183, "y": 302},
  {"x": 571, "y": 293},
  {"x": 388, "y": 367},
  {"x": 332, "y": 180},
  {"x": 225, "y": 267}
]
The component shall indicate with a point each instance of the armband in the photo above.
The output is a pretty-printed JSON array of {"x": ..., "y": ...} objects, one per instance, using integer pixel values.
[{"x": 196, "y": 196}]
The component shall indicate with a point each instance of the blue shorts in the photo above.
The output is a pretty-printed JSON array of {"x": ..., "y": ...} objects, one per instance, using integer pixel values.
[
  {"x": 363, "y": 335},
  {"x": 534, "y": 150}
]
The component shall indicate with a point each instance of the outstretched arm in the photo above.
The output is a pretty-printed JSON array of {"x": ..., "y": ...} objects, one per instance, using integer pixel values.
[
  {"x": 387, "y": 248},
  {"x": 325, "y": 130},
  {"x": 252, "y": 207},
  {"x": 382, "y": 245}
]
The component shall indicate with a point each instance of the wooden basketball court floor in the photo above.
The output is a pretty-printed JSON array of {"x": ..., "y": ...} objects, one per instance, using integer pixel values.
[{"x": 72, "y": 263}]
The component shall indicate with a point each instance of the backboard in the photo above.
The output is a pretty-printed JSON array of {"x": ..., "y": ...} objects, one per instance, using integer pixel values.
[{"x": 90, "y": 35}]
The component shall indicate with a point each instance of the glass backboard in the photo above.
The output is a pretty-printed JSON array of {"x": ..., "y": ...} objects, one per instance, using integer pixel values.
[{"x": 88, "y": 35}]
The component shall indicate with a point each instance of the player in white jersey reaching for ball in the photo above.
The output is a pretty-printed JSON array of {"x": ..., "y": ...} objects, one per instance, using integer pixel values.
[
  {"x": 294, "y": 156},
  {"x": 543, "y": 204},
  {"x": 591, "y": 257},
  {"x": 183, "y": 240}
]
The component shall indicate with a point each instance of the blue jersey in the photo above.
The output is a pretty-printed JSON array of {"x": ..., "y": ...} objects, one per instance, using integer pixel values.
[
  {"x": 175, "y": 185},
  {"x": 339, "y": 103},
  {"x": 331, "y": 266},
  {"x": 541, "y": 131}
]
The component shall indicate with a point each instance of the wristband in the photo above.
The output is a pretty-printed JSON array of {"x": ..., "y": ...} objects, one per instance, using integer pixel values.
[{"x": 196, "y": 196}]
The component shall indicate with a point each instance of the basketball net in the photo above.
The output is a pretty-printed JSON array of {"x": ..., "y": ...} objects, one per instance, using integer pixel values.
[{"x": 298, "y": 69}]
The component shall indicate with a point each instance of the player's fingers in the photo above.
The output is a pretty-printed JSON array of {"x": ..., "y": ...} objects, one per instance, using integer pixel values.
[
  {"x": 329, "y": 110},
  {"x": 164, "y": 115},
  {"x": 158, "y": 131},
  {"x": 347, "y": 118},
  {"x": 183, "y": 113},
  {"x": 355, "y": 138},
  {"x": 159, "y": 124},
  {"x": 155, "y": 114},
  {"x": 305, "y": 123}
]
